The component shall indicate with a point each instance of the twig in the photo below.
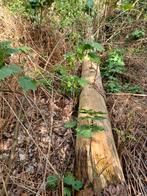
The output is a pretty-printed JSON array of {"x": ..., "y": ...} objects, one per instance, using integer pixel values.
[
  {"x": 50, "y": 56},
  {"x": 128, "y": 94},
  {"x": 12, "y": 154}
]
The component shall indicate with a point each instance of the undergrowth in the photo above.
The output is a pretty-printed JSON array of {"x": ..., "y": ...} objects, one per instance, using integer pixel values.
[{"x": 118, "y": 35}]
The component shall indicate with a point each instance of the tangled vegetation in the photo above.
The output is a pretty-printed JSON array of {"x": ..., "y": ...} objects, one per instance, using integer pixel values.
[{"x": 40, "y": 83}]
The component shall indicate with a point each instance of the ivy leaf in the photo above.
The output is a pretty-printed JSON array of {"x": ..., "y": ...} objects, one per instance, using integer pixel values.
[
  {"x": 71, "y": 124},
  {"x": 27, "y": 83},
  {"x": 7, "y": 71},
  {"x": 67, "y": 191},
  {"x": 52, "y": 181}
]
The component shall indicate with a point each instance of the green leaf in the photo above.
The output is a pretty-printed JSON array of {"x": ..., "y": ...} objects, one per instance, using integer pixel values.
[
  {"x": 5, "y": 44},
  {"x": 27, "y": 83},
  {"x": 96, "y": 128},
  {"x": 91, "y": 112},
  {"x": 69, "y": 56},
  {"x": 93, "y": 57},
  {"x": 24, "y": 49},
  {"x": 83, "y": 47},
  {"x": 94, "y": 118},
  {"x": 52, "y": 181},
  {"x": 7, "y": 71},
  {"x": 127, "y": 6},
  {"x": 69, "y": 179},
  {"x": 77, "y": 185},
  {"x": 84, "y": 131},
  {"x": 67, "y": 191},
  {"x": 82, "y": 82},
  {"x": 97, "y": 46},
  {"x": 71, "y": 124},
  {"x": 10, "y": 51}
]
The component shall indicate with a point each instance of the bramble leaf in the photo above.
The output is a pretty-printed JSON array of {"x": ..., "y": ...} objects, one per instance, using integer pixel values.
[
  {"x": 27, "y": 83},
  {"x": 7, "y": 71}
]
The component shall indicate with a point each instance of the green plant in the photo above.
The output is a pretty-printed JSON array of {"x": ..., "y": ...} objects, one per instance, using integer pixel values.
[
  {"x": 71, "y": 184},
  {"x": 86, "y": 130},
  {"x": 113, "y": 65},
  {"x": 16, "y": 6},
  {"x": 52, "y": 181},
  {"x": 112, "y": 85},
  {"x": 70, "y": 85},
  {"x": 7, "y": 70},
  {"x": 132, "y": 89},
  {"x": 137, "y": 34},
  {"x": 69, "y": 11}
]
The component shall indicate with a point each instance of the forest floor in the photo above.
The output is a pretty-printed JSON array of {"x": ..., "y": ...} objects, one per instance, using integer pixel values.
[{"x": 34, "y": 142}]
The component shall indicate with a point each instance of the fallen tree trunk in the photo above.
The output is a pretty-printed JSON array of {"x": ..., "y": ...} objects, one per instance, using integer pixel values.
[{"x": 97, "y": 161}]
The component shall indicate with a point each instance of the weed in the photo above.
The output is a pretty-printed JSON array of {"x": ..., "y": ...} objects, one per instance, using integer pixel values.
[
  {"x": 70, "y": 85},
  {"x": 113, "y": 65},
  {"x": 112, "y": 85},
  {"x": 70, "y": 183},
  {"x": 111, "y": 69},
  {"x": 137, "y": 34},
  {"x": 133, "y": 89}
]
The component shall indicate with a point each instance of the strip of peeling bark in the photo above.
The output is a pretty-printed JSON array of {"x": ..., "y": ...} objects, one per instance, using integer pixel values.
[{"x": 97, "y": 161}]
